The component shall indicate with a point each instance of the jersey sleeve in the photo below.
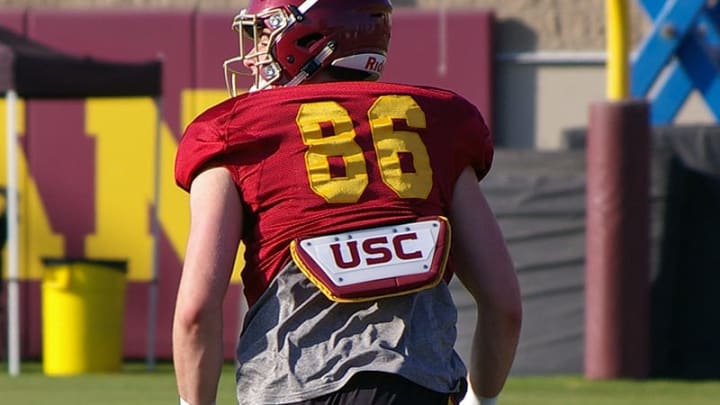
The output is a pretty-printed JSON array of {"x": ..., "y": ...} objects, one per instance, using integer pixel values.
[
  {"x": 204, "y": 140},
  {"x": 474, "y": 145}
]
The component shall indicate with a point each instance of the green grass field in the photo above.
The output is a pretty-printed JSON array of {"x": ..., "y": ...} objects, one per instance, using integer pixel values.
[{"x": 138, "y": 386}]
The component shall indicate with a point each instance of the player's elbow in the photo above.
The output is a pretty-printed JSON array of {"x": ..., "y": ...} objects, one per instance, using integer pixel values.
[
  {"x": 498, "y": 297},
  {"x": 512, "y": 314},
  {"x": 188, "y": 316},
  {"x": 494, "y": 286},
  {"x": 505, "y": 308},
  {"x": 192, "y": 315}
]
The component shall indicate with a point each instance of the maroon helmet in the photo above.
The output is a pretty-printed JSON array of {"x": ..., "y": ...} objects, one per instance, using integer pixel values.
[{"x": 291, "y": 40}]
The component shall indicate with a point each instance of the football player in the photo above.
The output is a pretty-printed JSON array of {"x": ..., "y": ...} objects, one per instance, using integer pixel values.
[{"x": 357, "y": 202}]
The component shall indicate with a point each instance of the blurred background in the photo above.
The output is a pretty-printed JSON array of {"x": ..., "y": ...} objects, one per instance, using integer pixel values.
[{"x": 96, "y": 174}]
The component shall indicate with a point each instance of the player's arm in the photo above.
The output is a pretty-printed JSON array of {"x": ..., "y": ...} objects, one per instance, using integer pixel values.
[
  {"x": 215, "y": 231},
  {"x": 483, "y": 265}
]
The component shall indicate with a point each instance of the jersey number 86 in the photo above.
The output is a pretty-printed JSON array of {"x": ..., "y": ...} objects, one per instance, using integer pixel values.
[{"x": 393, "y": 148}]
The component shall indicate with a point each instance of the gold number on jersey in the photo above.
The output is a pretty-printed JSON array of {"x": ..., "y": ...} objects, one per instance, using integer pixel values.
[
  {"x": 403, "y": 161},
  {"x": 391, "y": 144},
  {"x": 341, "y": 144}
]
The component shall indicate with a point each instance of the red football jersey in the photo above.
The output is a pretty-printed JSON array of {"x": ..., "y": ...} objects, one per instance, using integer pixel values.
[{"x": 319, "y": 159}]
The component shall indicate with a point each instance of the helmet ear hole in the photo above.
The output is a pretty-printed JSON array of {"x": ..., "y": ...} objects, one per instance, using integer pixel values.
[{"x": 308, "y": 40}]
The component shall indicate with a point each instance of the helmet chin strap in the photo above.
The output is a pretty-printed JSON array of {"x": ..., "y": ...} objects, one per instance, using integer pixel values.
[{"x": 312, "y": 66}]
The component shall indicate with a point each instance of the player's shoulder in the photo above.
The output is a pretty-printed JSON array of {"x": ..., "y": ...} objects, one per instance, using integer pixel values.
[
  {"x": 214, "y": 113},
  {"x": 443, "y": 101},
  {"x": 251, "y": 107},
  {"x": 234, "y": 111},
  {"x": 254, "y": 105},
  {"x": 424, "y": 91},
  {"x": 350, "y": 89}
]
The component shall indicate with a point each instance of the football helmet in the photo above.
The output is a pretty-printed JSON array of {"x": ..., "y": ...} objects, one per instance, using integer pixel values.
[{"x": 286, "y": 42}]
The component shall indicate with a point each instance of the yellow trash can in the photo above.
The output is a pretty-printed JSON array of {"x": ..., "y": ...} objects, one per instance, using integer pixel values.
[{"x": 83, "y": 304}]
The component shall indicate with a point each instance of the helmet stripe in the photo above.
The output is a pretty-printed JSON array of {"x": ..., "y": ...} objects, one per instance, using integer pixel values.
[{"x": 306, "y": 5}]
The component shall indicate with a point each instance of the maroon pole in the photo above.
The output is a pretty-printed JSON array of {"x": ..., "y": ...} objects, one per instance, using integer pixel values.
[{"x": 617, "y": 282}]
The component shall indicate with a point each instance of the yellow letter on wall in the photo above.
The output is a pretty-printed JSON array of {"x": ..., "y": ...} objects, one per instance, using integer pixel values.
[
  {"x": 124, "y": 129},
  {"x": 37, "y": 239}
]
